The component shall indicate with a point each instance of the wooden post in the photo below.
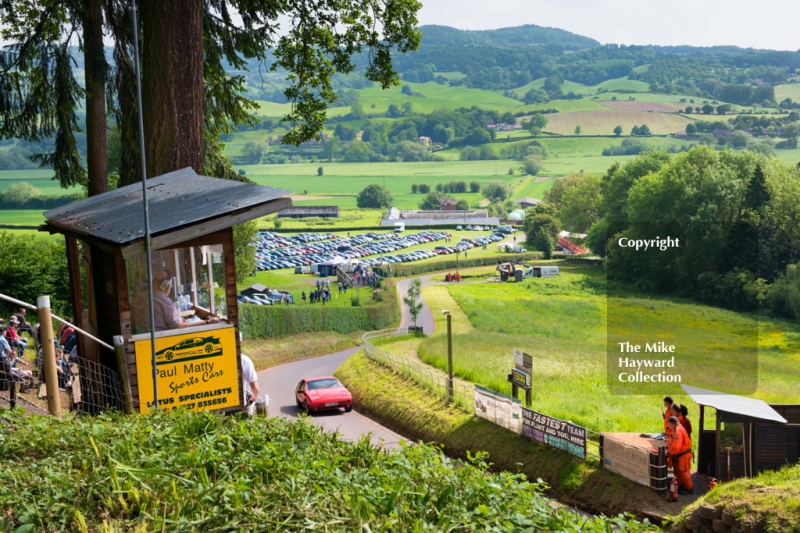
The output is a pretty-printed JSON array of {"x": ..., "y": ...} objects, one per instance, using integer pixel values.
[
  {"x": 529, "y": 396},
  {"x": 48, "y": 355},
  {"x": 449, "y": 360},
  {"x": 12, "y": 393},
  {"x": 700, "y": 435},
  {"x": 122, "y": 370}
]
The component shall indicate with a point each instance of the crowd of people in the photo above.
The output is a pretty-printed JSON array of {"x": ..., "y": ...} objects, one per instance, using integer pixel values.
[{"x": 13, "y": 346}]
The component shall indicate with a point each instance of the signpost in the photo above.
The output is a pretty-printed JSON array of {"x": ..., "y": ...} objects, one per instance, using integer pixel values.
[
  {"x": 554, "y": 432},
  {"x": 521, "y": 375},
  {"x": 197, "y": 370}
]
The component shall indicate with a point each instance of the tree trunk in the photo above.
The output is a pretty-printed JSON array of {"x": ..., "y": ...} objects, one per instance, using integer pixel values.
[
  {"x": 172, "y": 84},
  {"x": 95, "y": 74}
]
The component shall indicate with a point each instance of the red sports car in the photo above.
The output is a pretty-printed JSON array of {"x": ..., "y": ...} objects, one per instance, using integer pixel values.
[{"x": 322, "y": 394}]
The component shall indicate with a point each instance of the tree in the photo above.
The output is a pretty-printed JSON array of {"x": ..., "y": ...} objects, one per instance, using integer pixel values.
[
  {"x": 534, "y": 221},
  {"x": 20, "y": 193},
  {"x": 508, "y": 118},
  {"x": 357, "y": 152},
  {"x": 707, "y": 109},
  {"x": 691, "y": 129},
  {"x": 243, "y": 240},
  {"x": 618, "y": 131},
  {"x": 331, "y": 147},
  {"x": 532, "y": 164},
  {"x": 254, "y": 152},
  {"x": 424, "y": 188},
  {"x": 411, "y": 299},
  {"x": 319, "y": 171},
  {"x": 432, "y": 202},
  {"x": 474, "y": 186},
  {"x": 374, "y": 197},
  {"x": 497, "y": 190},
  {"x": 724, "y": 109},
  {"x": 189, "y": 100},
  {"x": 538, "y": 120},
  {"x": 543, "y": 242},
  {"x": 462, "y": 205},
  {"x": 577, "y": 130},
  {"x": 414, "y": 188}
]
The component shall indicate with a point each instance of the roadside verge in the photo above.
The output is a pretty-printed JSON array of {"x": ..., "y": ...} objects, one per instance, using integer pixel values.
[{"x": 410, "y": 410}]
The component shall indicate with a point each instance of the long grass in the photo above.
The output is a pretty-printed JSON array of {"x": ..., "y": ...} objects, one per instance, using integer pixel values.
[{"x": 563, "y": 324}]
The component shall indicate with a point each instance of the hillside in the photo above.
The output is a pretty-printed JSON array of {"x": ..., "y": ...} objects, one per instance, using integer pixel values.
[{"x": 527, "y": 34}]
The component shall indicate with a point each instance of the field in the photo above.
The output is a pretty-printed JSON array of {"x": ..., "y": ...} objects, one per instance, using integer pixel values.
[
  {"x": 635, "y": 105},
  {"x": 21, "y": 217},
  {"x": 788, "y": 90},
  {"x": 604, "y": 122},
  {"x": 562, "y": 324}
]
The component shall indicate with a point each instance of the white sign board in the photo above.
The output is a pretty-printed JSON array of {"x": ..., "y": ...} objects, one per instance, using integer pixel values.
[
  {"x": 500, "y": 410},
  {"x": 522, "y": 360},
  {"x": 626, "y": 460}
]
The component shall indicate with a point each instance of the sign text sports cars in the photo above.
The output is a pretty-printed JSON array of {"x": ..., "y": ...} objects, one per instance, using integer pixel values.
[{"x": 198, "y": 371}]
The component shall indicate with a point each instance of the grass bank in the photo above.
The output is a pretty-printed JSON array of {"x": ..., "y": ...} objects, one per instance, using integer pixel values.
[
  {"x": 770, "y": 503},
  {"x": 408, "y": 409}
]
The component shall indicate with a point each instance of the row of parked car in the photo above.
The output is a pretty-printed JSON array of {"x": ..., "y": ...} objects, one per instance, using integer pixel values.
[
  {"x": 271, "y": 297},
  {"x": 270, "y": 240},
  {"x": 269, "y": 257}
]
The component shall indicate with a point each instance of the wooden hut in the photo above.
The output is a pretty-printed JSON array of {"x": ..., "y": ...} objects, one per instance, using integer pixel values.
[
  {"x": 770, "y": 434},
  {"x": 193, "y": 261}
]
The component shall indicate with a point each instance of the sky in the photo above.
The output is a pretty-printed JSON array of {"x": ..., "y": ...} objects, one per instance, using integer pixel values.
[{"x": 770, "y": 24}]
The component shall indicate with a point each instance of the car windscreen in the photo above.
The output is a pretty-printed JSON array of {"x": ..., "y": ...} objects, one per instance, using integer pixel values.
[{"x": 327, "y": 383}]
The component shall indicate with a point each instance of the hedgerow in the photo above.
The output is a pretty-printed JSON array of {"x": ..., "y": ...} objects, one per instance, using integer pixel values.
[
  {"x": 260, "y": 322},
  {"x": 416, "y": 268}
]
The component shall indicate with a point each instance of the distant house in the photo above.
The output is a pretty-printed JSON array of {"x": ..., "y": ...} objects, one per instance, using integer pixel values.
[
  {"x": 326, "y": 211},
  {"x": 425, "y": 140},
  {"x": 720, "y": 133},
  {"x": 525, "y": 203},
  {"x": 447, "y": 204},
  {"x": 503, "y": 127}
]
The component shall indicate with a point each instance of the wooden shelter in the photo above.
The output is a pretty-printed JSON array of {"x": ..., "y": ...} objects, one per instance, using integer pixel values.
[
  {"x": 193, "y": 261},
  {"x": 770, "y": 434}
]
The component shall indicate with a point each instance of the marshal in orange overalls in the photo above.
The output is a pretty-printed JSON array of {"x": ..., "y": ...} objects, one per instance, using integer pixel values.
[{"x": 680, "y": 454}]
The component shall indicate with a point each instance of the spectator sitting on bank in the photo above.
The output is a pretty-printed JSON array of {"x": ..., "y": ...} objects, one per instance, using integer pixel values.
[
  {"x": 12, "y": 336},
  {"x": 23, "y": 324},
  {"x": 64, "y": 331}
]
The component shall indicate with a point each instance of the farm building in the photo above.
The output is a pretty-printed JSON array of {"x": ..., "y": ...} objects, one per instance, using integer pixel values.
[
  {"x": 439, "y": 218},
  {"x": 325, "y": 211},
  {"x": 447, "y": 204},
  {"x": 525, "y": 203}
]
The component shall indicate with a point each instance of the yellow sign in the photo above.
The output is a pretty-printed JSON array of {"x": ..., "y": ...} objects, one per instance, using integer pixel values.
[{"x": 198, "y": 370}]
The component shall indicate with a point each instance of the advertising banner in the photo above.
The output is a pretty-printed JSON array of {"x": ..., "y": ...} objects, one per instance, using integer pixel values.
[
  {"x": 626, "y": 460},
  {"x": 501, "y": 410},
  {"x": 197, "y": 370},
  {"x": 554, "y": 432}
]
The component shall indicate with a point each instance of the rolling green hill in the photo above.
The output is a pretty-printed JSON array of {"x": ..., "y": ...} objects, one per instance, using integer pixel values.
[{"x": 519, "y": 36}]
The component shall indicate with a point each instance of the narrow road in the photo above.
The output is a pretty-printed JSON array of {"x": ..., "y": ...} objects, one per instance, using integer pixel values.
[
  {"x": 279, "y": 383},
  {"x": 425, "y": 318}
]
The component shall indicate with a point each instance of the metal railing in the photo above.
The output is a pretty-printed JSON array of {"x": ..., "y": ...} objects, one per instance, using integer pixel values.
[{"x": 430, "y": 379}]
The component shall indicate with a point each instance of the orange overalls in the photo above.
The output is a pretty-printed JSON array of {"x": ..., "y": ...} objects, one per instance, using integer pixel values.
[
  {"x": 667, "y": 414},
  {"x": 680, "y": 454}
]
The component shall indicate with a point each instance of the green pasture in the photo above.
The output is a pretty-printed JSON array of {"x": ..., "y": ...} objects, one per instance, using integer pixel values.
[
  {"x": 562, "y": 323},
  {"x": 533, "y": 187},
  {"x": 787, "y": 90},
  {"x": 21, "y": 217}
]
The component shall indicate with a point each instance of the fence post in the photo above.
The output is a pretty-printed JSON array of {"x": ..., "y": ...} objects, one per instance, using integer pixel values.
[
  {"x": 48, "y": 355},
  {"x": 127, "y": 400}
]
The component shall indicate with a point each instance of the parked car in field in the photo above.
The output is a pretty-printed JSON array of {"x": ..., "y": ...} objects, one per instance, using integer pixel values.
[{"x": 322, "y": 394}]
